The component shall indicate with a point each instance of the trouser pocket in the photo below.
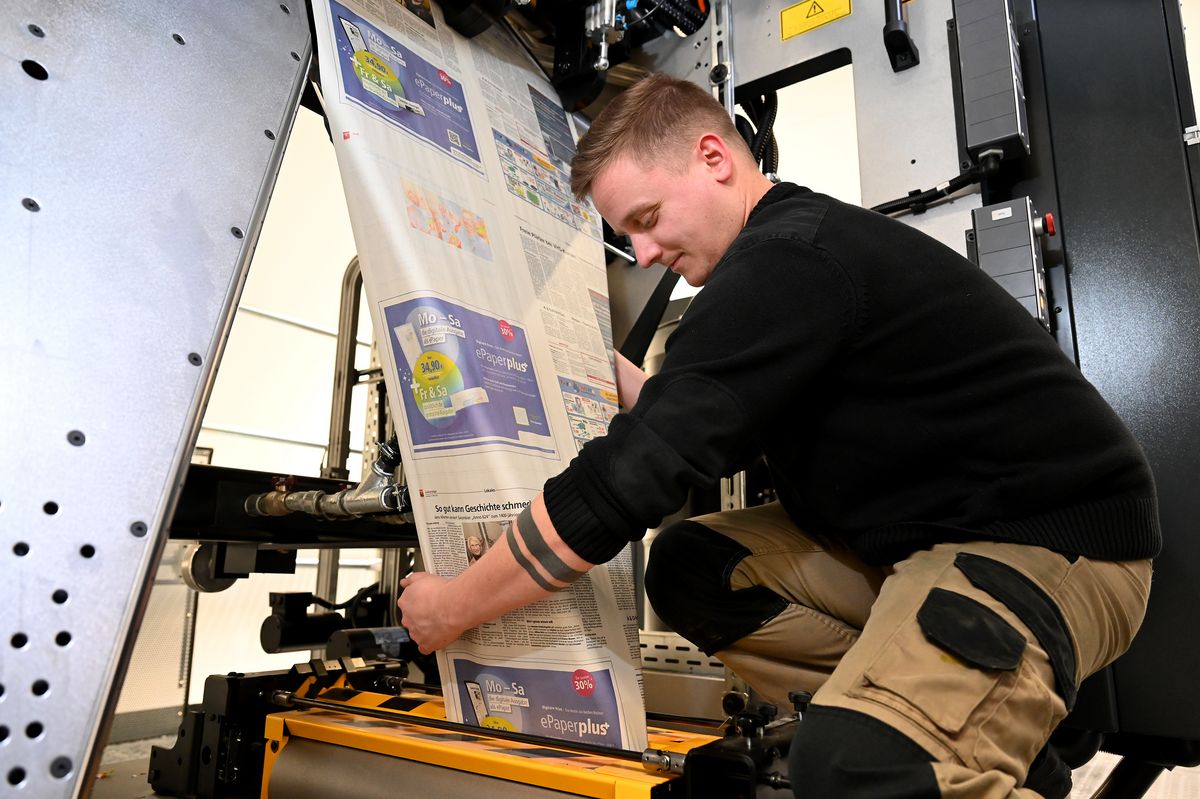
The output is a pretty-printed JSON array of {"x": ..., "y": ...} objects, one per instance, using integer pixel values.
[{"x": 944, "y": 665}]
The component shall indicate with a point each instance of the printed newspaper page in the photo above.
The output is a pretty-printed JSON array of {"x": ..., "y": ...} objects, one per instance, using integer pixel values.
[{"x": 487, "y": 288}]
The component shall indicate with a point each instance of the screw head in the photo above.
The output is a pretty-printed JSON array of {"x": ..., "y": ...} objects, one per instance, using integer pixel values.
[
  {"x": 718, "y": 74},
  {"x": 30, "y": 204}
]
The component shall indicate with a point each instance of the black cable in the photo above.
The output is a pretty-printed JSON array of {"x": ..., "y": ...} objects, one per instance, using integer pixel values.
[
  {"x": 354, "y": 600},
  {"x": 762, "y": 111},
  {"x": 745, "y": 129},
  {"x": 771, "y": 156},
  {"x": 766, "y": 121},
  {"x": 692, "y": 12},
  {"x": 757, "y": 114},
  {"x": 918, "y": 201},
  {"x": 681, "y": 15},
  {"x": 646, "y": 16}
]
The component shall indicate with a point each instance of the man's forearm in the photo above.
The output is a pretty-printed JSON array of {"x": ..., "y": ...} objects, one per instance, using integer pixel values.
[
  {"x": 630, "y": 380},
  {"x": 532, "y": 563}
]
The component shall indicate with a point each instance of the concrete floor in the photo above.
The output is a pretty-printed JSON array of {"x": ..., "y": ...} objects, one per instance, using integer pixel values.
[{"x": 1182, "y": 783}]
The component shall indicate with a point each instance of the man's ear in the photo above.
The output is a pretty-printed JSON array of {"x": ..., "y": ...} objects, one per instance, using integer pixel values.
[{"x": 715, "y": 155}]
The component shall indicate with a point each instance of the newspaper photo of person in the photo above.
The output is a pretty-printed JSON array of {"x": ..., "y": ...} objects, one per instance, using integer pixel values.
[
  {"x": 475, "y": 548},
  {"x": 478, "y": 538}
]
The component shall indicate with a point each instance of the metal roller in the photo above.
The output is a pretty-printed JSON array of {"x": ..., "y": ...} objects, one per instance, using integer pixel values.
[{"x": 310, "y": 770}]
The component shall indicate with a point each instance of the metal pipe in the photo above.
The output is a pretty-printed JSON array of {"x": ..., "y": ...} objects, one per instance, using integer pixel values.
[
  {"x": 379, "y": 492},
  {"x": 344, "y": 374},
  {"x": 893, "y": 16},
  {"x": 376, "y": 494},
  {"x": 396, "y": 564},
  {"x": 328, "y": 562}
]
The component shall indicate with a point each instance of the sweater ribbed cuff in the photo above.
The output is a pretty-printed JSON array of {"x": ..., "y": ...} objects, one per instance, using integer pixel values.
[{"x": 577, "y": 523}]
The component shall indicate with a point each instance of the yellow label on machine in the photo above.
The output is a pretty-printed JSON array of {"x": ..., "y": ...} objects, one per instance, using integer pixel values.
[{"x": 803, "y": 17}]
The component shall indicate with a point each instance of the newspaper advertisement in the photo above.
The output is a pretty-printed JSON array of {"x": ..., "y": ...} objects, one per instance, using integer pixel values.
[{"x": 487, "y": 288}]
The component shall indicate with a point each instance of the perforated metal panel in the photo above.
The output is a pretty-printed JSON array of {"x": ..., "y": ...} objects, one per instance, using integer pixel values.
[{"x": 138, "y": 147}]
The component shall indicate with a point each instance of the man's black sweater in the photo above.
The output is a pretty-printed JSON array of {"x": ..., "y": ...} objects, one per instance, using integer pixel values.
[{"x": 900, "y": 396}]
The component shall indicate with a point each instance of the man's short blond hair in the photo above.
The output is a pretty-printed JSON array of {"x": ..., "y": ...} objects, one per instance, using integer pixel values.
[{"x": 656, "y": 121}]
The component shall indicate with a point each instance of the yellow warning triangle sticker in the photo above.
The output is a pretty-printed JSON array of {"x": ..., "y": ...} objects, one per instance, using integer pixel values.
[{"x": 808, "y": 15}]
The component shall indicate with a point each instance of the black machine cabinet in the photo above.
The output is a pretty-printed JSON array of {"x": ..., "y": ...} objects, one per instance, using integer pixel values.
[{"x": 1119, "y": 102}]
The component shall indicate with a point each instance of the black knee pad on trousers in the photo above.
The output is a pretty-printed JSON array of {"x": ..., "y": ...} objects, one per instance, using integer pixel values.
[
  {"x": 687, "y": 583},
  {"x": 843, "y": 754}
]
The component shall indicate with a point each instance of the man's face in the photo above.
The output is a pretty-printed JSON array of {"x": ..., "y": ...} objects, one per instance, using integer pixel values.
[{"x": 675, "y": 216}]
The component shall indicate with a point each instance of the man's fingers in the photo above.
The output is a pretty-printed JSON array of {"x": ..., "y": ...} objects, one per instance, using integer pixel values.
[{"x": 410, "y": 579}]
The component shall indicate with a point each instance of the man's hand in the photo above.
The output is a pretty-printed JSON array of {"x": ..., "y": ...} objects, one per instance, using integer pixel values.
[
  {"x": 427, "y": 612},
  {"x": 437, "y": 611}
]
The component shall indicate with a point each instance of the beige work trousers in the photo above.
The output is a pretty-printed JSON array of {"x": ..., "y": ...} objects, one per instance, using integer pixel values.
[{"x": 850, "y": 635}]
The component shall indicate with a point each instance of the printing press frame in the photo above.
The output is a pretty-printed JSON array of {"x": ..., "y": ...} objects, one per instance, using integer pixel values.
[{"x": 243, "y": 742}]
